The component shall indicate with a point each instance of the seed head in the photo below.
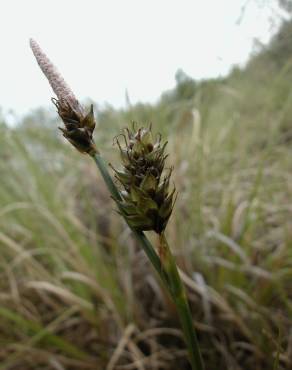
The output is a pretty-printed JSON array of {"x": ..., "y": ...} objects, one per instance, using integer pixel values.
[
  {"x": 146, "y": 202},
  {"x": 79, "y": 126}
]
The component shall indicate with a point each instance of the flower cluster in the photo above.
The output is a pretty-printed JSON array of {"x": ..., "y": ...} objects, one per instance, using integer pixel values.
[{"x": 146, "y": 202}]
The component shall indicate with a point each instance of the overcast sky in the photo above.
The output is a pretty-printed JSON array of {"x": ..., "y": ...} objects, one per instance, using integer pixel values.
[{"x": 104, "y": 47}]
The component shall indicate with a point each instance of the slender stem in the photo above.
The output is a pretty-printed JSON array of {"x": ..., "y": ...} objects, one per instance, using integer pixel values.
[
  {"x": 140, "y": 236},
  {"x": 165, "y": 265},
  {"x": 106, "y": 176},
  {"x": 152, "y": 255},
  {"x": 180, "y": 299}
]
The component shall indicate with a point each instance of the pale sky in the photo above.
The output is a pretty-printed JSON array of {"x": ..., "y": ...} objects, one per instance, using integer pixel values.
[{"x": 104, "y": 47}]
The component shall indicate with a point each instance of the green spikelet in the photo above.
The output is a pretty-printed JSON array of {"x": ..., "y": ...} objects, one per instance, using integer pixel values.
[{"x": 146, "y": 202}]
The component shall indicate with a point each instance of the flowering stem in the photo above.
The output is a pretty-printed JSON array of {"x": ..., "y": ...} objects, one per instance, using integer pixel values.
[
  {"x": 78, "y": 130},
  {"x": 165, "y": 266}
]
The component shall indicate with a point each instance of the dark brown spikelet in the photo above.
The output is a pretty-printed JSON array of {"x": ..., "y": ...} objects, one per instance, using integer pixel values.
[
  {"x": 78, "y": 127},
  {"x": 146, "y": 202}
]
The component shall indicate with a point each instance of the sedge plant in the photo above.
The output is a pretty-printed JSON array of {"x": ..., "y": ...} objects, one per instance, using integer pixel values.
[{"x": 141, "y": 191}]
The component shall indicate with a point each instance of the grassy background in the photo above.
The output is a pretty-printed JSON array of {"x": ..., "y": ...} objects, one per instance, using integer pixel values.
[{"x": 78, "y": 293}]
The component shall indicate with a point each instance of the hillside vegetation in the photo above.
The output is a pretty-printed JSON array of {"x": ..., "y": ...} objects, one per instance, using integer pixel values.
[{"x": 76, "y": 292}]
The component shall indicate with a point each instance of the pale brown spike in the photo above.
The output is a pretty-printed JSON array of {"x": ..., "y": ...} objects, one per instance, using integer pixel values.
[{"x": 57, "y": 82}]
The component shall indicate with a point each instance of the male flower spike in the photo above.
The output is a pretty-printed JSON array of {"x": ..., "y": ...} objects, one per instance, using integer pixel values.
[{"x": 79, "y": 126}]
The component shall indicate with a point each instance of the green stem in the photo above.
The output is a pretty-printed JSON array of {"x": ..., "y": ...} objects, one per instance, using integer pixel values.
[
  {"x": 165, "y": 266},
  {"x": 140, "y": 236},
  {"x": 106, "y": 176},
  {"x": 179, "y": 297},
  {"x": 151, "y": 254}
]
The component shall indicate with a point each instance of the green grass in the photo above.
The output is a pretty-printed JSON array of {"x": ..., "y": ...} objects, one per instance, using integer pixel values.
[{"x": 76, "y": 290}]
